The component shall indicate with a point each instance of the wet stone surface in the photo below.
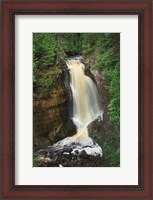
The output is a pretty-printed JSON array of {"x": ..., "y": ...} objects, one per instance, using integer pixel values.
[{"x": 69, "y": 156}]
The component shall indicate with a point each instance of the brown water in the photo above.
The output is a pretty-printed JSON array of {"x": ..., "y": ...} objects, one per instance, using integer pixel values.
[{"x": 86, "y": 102}]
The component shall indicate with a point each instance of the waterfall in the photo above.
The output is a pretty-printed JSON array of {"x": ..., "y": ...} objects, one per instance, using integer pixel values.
[
  {"x": 78, "y": 149},
  {"x": 87, "y": 107},
  {"x": 86, "y": 102}
]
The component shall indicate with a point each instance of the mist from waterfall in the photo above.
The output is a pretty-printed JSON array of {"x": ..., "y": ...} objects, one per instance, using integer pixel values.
[{"x": 86, "y": 102}]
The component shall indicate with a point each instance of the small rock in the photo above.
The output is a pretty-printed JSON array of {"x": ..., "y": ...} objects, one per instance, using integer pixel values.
[{"x": 66, "y": 153}]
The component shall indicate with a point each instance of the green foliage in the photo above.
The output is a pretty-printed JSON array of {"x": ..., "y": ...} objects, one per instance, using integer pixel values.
[
  {"x": 71, "y": 42},
  {"x": 108, "y": 61},
  {"x": 44, "y": 49},
  {"x": 58, "y": 71},
  {"x": 47, "y": 82},
  {"x": 111, "y": 149},
  {"x": 88, "y": 43}
]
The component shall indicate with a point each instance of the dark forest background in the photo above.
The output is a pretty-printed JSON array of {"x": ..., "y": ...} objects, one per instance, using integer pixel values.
[{"x": 101, "y": 56}]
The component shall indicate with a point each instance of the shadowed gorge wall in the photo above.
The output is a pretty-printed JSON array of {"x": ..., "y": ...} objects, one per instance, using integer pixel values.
[{"x": 50, "y": 116}]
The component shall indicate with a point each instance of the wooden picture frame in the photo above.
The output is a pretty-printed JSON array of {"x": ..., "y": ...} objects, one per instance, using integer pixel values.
[{"x": 12, "y": 8}]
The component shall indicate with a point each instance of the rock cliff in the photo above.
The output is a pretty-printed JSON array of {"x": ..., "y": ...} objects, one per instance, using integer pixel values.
[{"x": 50, "y": 116}]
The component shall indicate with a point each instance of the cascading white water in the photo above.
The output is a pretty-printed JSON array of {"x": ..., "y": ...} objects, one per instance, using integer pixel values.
[
  {"x": 86, "y": 103},
  {"x": 86, "y": 108}
]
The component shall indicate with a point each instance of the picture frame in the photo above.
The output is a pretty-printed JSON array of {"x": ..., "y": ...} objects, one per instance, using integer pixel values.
[{"x": 12, "y": 8}]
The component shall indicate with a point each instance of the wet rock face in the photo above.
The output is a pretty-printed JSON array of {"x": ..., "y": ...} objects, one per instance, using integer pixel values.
[
  {"x": 70, "y": 156},
  {"x": 50, "y": 117}
]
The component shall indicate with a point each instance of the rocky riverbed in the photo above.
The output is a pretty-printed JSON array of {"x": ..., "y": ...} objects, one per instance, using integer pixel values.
[{"x": 74, "y": 155}]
